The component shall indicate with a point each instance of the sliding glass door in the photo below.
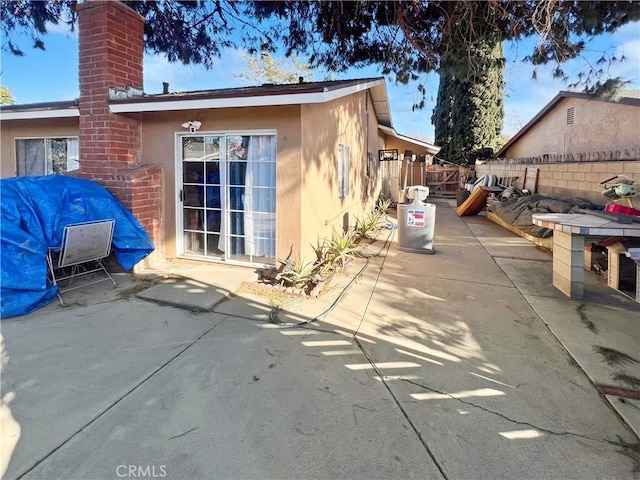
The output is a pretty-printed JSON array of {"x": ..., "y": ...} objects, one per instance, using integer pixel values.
[
  {"x": 227, "y": 197},
  {"x": 202, "y": 172}
]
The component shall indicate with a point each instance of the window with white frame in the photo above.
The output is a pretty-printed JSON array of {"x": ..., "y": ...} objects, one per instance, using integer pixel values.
[
  {"x": 44, "y": 156},
  {"x": 343, "y": 170}
]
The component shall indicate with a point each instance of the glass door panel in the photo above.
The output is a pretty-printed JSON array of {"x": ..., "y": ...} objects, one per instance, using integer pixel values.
[
  {"x": 229, "y": 196},
  {"x": 213, "y": 208},
  {"x": 237, "y": 156},
  {"x": 201, "y": 196},
  {"x": 251, "y": 177},
  {"x": 192, "y": 148}
]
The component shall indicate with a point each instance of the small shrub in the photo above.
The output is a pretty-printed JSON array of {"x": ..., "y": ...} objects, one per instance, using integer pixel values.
[
  {"x": 299, "y": 275},
  {"x": 331, "y": 254},
  {"x": 369, "y": 226},
  {"x": 342, "y": 247},
  {"x": 383, "y": 205}
]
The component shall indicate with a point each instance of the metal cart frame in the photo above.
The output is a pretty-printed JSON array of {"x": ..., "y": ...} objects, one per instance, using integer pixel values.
[{"x": 84, "y": 246}]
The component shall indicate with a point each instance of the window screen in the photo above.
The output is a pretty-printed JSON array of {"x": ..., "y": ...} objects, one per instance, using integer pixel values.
[{"x": 43, "y": 156}]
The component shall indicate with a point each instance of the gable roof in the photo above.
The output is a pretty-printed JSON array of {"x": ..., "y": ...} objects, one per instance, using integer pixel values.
[
  {"x": 552, "y": 104},
  {"x": 263, "y": 95}
]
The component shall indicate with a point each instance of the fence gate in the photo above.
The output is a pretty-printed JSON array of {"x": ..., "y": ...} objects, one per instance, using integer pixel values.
[{"x": 443, "y": 181}]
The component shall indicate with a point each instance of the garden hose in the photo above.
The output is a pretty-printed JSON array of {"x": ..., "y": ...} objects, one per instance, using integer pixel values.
[{"x": 273, "y": 314}]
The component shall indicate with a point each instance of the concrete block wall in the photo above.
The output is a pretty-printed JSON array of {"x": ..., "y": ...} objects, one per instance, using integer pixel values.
[
  {"x": 568, "y": 263},
  {"x": 575, "y": 179}
]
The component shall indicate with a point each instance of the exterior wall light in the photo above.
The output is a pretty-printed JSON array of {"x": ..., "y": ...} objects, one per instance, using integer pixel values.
[{"x": 193, "y": 126}]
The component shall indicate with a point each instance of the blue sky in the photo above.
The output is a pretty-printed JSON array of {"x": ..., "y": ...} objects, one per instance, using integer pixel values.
[{"x": 53, "y": 75}]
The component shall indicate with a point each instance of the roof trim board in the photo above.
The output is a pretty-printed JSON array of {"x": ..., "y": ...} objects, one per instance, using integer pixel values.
[
  {"x": 431, "y": 149},
  {"x": 209, "y": 100},
  {"x": 265, "y": 95},
  {"x": 60, "y": 109},
  {"x": 38, "y": 114}
]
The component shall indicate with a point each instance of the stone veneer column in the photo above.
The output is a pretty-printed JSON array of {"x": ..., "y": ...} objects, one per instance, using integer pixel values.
[{"x": 111, "y": 52}]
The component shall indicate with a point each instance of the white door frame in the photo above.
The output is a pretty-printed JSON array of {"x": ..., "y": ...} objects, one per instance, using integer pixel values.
[{"x": 224, "y": 187}]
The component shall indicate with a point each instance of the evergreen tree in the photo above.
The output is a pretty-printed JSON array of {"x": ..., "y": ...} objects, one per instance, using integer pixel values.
[
  {"x": 469, "y": 111},
  {"x": 461, "y": 40}
]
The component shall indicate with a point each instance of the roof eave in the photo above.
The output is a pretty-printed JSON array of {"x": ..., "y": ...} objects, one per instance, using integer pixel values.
[
  {"x": 431, "y": 149},
  {"x": 39, "y": 114},
  {"x": 184, "y": 102},
  {"x": 381, "y": 105}
]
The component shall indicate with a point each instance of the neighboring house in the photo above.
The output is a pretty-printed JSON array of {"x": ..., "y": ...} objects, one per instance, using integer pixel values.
[
  {"x": 573, "y": 145},
  {"x": 245, "y": 175},
  {"x": 577, "y": 126}
]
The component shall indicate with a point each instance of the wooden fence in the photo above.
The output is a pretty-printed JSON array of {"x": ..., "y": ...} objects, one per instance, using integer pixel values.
[{"x": 443, "y": 181}]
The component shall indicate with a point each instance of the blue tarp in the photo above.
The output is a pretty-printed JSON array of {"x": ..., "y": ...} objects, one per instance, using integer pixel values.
[{"x": 35, "y": 211}]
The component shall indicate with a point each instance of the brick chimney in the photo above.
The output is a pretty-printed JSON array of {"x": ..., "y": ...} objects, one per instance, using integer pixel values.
[
  {"x": 111, "y": 55},
  {"x": 111, "y": 44}
]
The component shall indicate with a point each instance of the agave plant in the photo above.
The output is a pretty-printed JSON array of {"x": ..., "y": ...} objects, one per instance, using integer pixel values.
[
  {"x": 299, "y": 275},
  {"x": 370, "y": 224},
  {"x": 342, "y": 246},
  {"x": 383, "y": 205}
]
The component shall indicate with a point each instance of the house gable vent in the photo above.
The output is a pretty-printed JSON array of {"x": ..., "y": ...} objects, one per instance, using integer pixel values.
[{"x": 570, "y": 115}]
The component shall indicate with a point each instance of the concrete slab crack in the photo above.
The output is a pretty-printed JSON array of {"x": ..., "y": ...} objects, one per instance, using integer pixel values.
[
  {"x": 511, "y": 420},
  {"x": 402, "y": 410},
  {"x": 121, "y": 398},
  {"x": 184, "y": 433}
]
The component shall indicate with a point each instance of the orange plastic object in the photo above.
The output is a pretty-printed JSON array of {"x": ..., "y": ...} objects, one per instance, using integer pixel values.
[{"x": 474, "y": 204}]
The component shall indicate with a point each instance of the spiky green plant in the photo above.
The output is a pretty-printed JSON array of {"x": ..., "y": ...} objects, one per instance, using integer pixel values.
[
  {"x": 342, "y": 246},
  {"x": 300, "y": 275},
  {"x": 325, "y": 267},
  {"x": 383, "y": 205},
  {"x": 370, "y": 224}
]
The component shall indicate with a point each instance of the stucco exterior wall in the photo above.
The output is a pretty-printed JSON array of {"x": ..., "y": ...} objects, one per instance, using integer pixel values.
[
  {"x": 159, "y": 147},
  {"x": 308, "y": 205},
  {"x": 598, "y": 126},
  {"x": 417, "y": 171},
  {"x": 349, "y": 121},
  {"x": 38, "y": 128},
  {"x": 579, "y": 179}
]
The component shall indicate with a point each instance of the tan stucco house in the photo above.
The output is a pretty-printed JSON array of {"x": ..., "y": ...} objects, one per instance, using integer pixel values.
[
  {"x": 578, "y": 126},
  {"x": 245, "y": 175}
]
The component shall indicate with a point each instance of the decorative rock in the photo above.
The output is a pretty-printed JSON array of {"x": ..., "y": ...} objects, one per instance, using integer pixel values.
[{"x": 315, "y": 292}]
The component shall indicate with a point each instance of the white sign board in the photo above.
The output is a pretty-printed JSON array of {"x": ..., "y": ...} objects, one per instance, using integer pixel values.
[
  {"x": 85, "y": 242},
  {"x": 415, "y": 218}
]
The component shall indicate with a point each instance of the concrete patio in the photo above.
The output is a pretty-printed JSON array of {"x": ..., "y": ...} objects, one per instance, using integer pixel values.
[{"x": 463, "y": 364}]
